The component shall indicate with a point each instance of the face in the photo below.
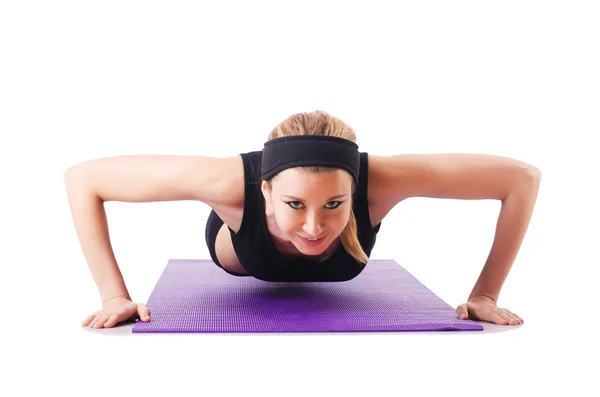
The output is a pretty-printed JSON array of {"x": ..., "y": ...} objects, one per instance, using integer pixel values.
[{"x": 310, "y": 209}]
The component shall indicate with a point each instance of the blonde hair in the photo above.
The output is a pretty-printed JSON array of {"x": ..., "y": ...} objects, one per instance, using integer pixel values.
[{"x": 321, "y": 123}]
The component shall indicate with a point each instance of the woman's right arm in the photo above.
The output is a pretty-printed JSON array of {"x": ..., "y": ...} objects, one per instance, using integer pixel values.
[{"x": 140, "y": 178}]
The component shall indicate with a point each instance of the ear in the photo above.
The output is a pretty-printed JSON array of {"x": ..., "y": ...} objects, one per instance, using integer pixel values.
[{"x": 264, "y": 187}]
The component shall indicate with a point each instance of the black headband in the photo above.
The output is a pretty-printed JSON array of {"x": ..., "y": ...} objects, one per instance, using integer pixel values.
[{"x": 310, "y": 150}]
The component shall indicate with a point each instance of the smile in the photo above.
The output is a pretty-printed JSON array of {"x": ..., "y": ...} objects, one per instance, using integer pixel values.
[{"x": 312, "y": 242}]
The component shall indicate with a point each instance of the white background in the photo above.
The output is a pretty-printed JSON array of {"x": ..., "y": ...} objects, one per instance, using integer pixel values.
[{"x": 82, "y": 80}]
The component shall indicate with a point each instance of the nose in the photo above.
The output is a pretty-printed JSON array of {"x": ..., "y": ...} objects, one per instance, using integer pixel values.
[{"x": 312, "y": 225}]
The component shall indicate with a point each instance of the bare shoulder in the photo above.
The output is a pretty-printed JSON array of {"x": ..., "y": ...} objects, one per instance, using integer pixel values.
[
  {"x": 389, "y": 176},
  {"x": 149, "y": 178},
  {"x": 466, "y": 176},
  {"x": 379, "y": 178}
]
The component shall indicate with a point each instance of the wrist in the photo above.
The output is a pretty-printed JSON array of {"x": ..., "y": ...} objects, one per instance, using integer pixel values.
[
  {"x": 482, "y": 296},
  {"x": 124, "y": 296}
]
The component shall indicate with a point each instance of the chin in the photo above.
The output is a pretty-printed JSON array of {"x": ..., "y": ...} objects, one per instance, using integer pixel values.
[{"x": 311, "y": 250}]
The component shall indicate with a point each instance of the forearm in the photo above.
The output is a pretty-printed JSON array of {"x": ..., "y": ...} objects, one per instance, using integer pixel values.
[
  {"x": 89, "y": 217},
  {"x": 513, "y": 221}
]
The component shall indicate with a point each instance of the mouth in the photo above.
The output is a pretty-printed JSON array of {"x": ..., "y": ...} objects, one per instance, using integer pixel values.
[{"x": 312, "y": 242}]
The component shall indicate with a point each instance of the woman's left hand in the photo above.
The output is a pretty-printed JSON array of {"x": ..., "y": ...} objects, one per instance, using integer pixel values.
[{"x": 484, "y": 308}]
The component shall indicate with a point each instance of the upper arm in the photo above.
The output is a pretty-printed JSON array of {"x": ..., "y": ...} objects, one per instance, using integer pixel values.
[
  {"x": 146, "y": 178},
  {"x": 444, "y": 175}
]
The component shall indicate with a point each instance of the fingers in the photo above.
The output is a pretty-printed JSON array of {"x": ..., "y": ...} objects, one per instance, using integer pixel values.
[
  {"x": 143, "y": 312},
  {"x": 88, "y": 320},
  {"x": 105, "y": 319},
  {"x": 513, "y": 318},
  {"x": 100, "y": 321},
  {"x": 462, "y": 311},
  {"x": 494, "y": 315},
  {"x": 91, "y": 321},
  {"x": 506, "y": 317},
  {"x": 112, "y": 320}
]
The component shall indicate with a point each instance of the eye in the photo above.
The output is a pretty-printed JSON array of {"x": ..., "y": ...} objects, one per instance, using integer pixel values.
[
  {"x": 336, "y": 204},
  {"x": 293, "y": 204}
]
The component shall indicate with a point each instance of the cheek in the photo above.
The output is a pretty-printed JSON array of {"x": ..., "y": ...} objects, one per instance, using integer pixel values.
[
  {"x": 335, "y": 221},
  {"x": 343, "y": 219},
  {"x": 287, "y": 221},
  {"x": 340, "y": 222}
]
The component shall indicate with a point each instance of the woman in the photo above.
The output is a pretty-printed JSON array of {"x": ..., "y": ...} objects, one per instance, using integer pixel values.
[{"x": 307, "y": 207}]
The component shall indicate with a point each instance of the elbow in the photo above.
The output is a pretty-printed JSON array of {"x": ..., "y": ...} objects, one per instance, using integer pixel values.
[
  {"x": 76, "y": 180},
  {"x": 69, "y": 175},
  {"x": 535, "y": 174},
  {"x": 534, "y": 177},
  {"x": 74, "y": 172},
  {"x": 527, "y": 182},
  {"x": 525, "y": 173}
]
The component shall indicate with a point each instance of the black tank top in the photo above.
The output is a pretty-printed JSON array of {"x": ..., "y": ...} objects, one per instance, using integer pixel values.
[{"x": 261, "y": 259}]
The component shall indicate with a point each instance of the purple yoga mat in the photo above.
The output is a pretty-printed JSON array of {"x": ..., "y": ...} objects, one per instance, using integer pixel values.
[{"x": 195, "y": 295}]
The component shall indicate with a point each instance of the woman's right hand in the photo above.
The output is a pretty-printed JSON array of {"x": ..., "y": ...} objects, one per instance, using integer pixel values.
[{"x": 116, "y": 310}]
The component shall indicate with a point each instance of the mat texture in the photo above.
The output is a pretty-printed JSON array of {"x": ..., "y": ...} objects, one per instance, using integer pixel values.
[{"x": 195, "y": 295}]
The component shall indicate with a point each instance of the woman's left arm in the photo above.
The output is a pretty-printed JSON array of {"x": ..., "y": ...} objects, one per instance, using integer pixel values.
[
  {"x": 513, "y": 221},
  {"x": 466, "y": 176}
]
